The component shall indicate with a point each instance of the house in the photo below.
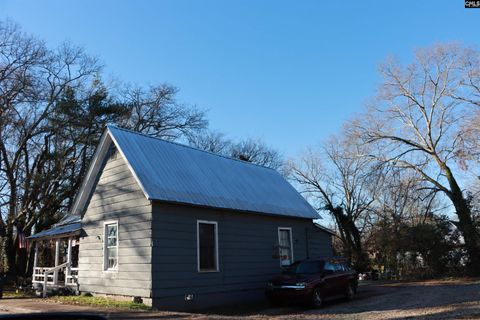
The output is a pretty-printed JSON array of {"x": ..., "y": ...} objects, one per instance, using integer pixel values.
[{"x": 179, "y": 227}]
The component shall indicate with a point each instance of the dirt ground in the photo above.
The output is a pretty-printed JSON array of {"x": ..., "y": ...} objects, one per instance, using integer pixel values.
[{"x": 445, "y": 299}]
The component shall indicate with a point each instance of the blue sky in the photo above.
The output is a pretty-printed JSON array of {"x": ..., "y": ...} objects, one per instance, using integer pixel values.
[{"x": 289, "y": 72}]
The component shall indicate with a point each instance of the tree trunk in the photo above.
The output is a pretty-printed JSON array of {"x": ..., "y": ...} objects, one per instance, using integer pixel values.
[
  {"x": 469, "y": 232},
  {"x": 351, "y": 239},
  {"x": 465, "y": 223},
  {"x": 9, "y": 239}
]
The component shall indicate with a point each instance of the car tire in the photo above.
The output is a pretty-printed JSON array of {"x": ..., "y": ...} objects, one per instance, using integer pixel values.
[
  {"x": 350, "y": 292},
  {"x": 317, "y": 298}
]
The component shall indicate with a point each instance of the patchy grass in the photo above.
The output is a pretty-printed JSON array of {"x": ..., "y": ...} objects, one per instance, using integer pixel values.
[
  {"x": 100, "y": 302},
  {"x": 14, "y": 294},
  {"x": 11, "y": 292}
]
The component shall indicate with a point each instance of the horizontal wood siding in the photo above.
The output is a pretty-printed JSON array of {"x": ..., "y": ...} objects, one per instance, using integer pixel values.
[
  {"x": 248, "y": 254},
  {"x": 117, "y": 196}
]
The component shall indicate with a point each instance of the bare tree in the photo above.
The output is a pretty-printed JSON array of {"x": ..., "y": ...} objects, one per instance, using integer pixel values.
[
  {"x": 155, "y": 111},
  {"x": 250, "y": 150},
  {"x": 256, "y": 151},
  {"x": 211, "y": 141},
  {"x": 340, "y": 180},
  {"x": 32, "y": 79},
  {"x": 416, "y": 122},
  {"x": 53, "y": 110},
  {"x": 403, "y": 200}
]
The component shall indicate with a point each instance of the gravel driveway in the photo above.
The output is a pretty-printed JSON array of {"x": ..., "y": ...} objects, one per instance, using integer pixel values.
[{"x": 457, "y": 299}]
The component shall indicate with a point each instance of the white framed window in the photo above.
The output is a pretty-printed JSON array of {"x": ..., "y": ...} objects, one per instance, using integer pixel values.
[
  {"x": 285, "y": 246},
  {"x": 207, "y": 246},
  {"x": 110, "y": 245}
]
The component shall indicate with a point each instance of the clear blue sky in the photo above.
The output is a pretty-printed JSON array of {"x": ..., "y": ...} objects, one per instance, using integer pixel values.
[{"x": 289, "y": 72}]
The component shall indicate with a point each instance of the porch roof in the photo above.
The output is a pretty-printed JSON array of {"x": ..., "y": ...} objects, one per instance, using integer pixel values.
[{"x": 58, "y": 232}]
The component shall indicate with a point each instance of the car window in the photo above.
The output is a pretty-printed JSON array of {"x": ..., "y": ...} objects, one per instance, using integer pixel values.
[
  {"x": 305, "y": 267},
  {"x": 309, "y": 267},
  {"x": 329, "y": 266},
  {"x": 338, "y": 267}
]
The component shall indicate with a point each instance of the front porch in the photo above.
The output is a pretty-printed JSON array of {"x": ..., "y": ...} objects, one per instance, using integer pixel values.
[{"x": 56, "y": 256}]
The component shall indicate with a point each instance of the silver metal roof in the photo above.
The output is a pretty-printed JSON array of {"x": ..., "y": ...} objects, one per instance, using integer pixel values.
[
  {"x": 56, "y": 232},
  {"x": 172, "y": 172}
]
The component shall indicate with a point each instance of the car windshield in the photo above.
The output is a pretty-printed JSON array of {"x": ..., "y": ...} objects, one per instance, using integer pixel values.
[{"x": 305, "y": 267}]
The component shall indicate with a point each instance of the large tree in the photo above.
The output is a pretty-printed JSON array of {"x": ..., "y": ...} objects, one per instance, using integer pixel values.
[
  {"x": 340, "y": 180},
  {"x": 250, "y": 150},
  {"x": 32, "y": 80},
  {"x": 403, "y": 202},
  {"x": 53, "y": 110},
  {"x": 156, "y": 111},
  {"x": 416, "y": 124}
]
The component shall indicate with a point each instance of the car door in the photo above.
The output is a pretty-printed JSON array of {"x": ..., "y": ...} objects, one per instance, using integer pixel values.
[
  {"x": 329, "y": 279},
  {"x": 342, "y": 277}
]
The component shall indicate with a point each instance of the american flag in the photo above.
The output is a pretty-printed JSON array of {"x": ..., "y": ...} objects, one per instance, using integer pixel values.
[{"x": 22, "y": 241}]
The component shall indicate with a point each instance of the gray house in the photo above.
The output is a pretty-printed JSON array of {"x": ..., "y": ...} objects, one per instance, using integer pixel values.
[{"x": 180, "y": 227}]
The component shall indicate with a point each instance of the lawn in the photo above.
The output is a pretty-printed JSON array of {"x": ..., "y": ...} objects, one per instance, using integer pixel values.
[{"x": 101, "y": 302}]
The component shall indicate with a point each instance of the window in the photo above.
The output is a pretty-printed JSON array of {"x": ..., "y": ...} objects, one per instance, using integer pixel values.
[
  {"x": 338, "y": 267},
  {"x": 207, "y": 246},
  {"x": 305, "y": 267},
  {"x": 110, "y": 246},
  {"x": 329, "y": 267},
  {"x": 285, "y": 248}
]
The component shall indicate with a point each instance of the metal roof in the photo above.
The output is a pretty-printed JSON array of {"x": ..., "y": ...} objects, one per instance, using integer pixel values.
[
  {"x": 68, "y": 219},
  {"x": 325, "y": 229},
  {"x": 173, "y": 172},
  {"x": 58, "y": 231}
]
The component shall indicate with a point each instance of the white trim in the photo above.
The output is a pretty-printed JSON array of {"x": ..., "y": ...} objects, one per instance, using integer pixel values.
[
  {"x": 216, "y": 245},
  {"x": 94, "y": 167},
  {"x": 127, "y": 162},
  {"x": 291, "y": 242},
  {"x": 101, "y": 152},
  {"x": 105, "y": 263}
]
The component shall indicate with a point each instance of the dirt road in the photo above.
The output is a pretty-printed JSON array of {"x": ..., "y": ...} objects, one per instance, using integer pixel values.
[{"x": 455, "y": 299}]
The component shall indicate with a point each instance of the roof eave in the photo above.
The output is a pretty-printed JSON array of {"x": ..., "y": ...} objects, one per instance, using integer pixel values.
[
  {"x": 56, "y": 236},
  {"x": 271, "y": 214}
]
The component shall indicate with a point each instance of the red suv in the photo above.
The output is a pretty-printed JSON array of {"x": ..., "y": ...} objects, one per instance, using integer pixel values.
[{"x": 313, "y": 281}]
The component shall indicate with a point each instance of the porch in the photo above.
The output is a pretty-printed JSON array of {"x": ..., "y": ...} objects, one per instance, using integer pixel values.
[{"x": 56, "y": 256}]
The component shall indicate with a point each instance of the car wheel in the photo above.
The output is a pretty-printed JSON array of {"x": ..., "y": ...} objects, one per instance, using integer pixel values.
[
  {"x": 350, "y": 292},
  {"x": 317, "y": 298}
]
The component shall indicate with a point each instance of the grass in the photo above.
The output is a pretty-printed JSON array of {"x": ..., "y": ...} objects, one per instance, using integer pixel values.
[
  {"x": 100, "y": 302},
  {"x": 12, "y": 292}
]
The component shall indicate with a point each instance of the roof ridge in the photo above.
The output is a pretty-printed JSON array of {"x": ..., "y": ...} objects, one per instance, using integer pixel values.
[{"x": 190, "y": 147}]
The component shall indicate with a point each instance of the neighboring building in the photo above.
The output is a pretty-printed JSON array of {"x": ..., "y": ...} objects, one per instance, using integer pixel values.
[{"x": 184, "y": 228}]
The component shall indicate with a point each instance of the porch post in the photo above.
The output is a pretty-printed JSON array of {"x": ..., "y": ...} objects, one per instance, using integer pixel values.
[
  {"x": 57, "y": 259},
  {"x": 35, "y": 257},
  {"x": 69, "y": 260}
]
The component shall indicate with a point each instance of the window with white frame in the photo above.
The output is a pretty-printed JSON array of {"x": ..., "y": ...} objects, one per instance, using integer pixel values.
[
  {"x": 207, "y": 246},
  {"x": 285, "y": 247},
  {"x": 110, "y": 246}
]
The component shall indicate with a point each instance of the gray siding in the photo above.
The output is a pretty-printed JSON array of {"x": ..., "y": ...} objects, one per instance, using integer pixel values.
[
  {"x": 248, "y": 255},
  {"x": 117, "y": 196}
]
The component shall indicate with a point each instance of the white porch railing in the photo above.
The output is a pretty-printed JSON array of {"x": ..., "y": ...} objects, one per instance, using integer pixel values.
[
  {"x": 39, "y": 274},
  {"x": 48, "y": 276},
  {"x": 71, "y": 277}
]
